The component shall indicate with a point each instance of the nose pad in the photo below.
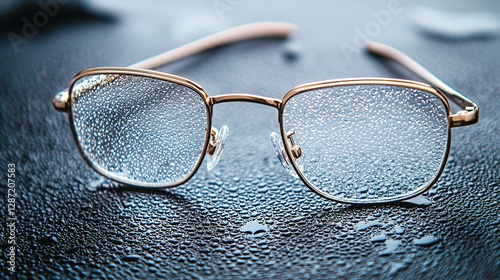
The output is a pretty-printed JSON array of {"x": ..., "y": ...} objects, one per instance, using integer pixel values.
[
  {"x": 283, "y": 157},
  {"x": 216, "y": 145}
]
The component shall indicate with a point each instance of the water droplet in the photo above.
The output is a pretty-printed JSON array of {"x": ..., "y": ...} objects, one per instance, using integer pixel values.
[
  {"x": 228, "y": 240},
  {"x": 364, "y": 225},
  {"x": 298, "y": 219},
  {"x": 95, "y": 184},
  {"x": 418, "y": 201},
  {"x": 131, "y": 258},
  {"x": 254, "y": 228},
  {"x": 73, "y": 250},
  {"x": 378, "y": 238},
  {"x": 399, "y": 230},
  {"x": 47, "y": 240},
  {"x": 396, "y": 267},
  {"x": 391, "y": 245},
  {"x": 427, "y": 240}
]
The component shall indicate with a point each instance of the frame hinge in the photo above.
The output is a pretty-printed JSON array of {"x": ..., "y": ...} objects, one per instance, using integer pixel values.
[
  {"x": 60, "y": 101},
  {"x": 465, "y": 117}
]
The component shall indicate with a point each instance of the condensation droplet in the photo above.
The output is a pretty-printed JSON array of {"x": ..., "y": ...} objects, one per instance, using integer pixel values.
[
  {"x": 364, "y": 225},
  {"x": 418, "y": 201},
  {"x": 391, "y": 246},
  {"x": 427, "y": 240},
  {"x": 254, "y": 228}
]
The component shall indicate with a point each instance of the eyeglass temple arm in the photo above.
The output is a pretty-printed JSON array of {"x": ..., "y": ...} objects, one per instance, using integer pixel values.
[
  {"x": 232, "y": 35},
  {"x": 468, "y": 116}
]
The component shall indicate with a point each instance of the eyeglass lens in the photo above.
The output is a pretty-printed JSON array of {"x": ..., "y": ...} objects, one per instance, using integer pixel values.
[
  {"x": 139, "y": 130},
  {"x": 368, "y": 143}
]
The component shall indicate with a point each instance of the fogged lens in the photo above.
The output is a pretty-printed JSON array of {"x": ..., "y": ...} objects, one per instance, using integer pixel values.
[
  {"x": 139, "y": 130},
  {"x": 368, "y": 143}
]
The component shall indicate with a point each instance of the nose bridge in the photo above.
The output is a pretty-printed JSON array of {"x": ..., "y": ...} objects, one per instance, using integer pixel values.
[{"x": 243, "y": 97}]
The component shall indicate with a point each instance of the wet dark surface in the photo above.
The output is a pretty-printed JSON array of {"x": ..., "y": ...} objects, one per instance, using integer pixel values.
[{"x": 247, "y": 218}]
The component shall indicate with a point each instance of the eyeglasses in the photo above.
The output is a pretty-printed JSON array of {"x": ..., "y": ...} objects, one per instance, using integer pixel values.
[{"x": 359, "y": 141}]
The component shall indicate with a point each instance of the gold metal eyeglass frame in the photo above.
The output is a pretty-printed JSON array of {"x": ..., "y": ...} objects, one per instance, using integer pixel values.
[{"x": 467, "y": 116}]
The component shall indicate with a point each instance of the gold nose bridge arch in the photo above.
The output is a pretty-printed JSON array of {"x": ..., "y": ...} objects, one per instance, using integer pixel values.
[{"x": 243, "y": 97}]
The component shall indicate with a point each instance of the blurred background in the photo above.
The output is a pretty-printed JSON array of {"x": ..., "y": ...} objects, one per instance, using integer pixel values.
[{"x": 247, "y": 218}]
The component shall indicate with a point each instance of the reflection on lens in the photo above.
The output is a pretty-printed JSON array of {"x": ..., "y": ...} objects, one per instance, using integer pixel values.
[
  {"x": 368, "y": 143},
  {"x": 139, "y": 130}
]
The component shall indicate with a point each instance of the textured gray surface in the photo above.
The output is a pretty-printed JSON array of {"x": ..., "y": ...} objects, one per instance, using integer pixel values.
[{"x": 247, "y": 218}]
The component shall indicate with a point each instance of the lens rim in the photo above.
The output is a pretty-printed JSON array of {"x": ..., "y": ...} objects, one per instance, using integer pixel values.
[
  {"x": 356, "y": 82},
  {"x": 147, "y": 74}
]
